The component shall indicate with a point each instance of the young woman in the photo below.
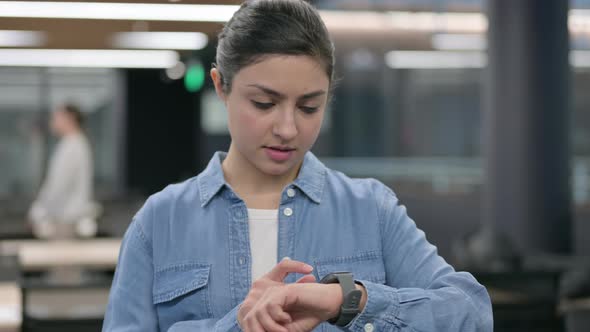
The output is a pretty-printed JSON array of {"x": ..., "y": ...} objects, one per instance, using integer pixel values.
[{"x": 267, "y": 238}]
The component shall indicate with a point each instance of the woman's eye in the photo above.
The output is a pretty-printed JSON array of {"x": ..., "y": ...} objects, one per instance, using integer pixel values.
[
  {"x": 308, "y": 110},
  {"x": 262, "y": 106}
]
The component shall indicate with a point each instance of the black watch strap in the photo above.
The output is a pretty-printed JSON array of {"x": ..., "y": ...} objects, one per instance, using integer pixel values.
[{"x": 351, "y": 297}]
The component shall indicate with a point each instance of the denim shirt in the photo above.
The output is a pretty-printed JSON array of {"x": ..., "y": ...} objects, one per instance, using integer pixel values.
[{"x": 185, "y": 259}]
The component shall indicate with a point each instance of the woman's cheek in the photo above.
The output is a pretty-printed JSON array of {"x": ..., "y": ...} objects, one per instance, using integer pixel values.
[
  {"x": 242, "y": 122},
  {"x": 311, "y": 131},
  {"x": 253, "y": 123}
]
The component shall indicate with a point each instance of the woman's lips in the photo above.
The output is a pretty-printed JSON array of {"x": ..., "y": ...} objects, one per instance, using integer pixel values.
[{"x": 279, "y": 154}]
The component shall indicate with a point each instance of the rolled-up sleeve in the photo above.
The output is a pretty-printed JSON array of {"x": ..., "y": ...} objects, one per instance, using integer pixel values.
[{"x": 422, "y": 291}]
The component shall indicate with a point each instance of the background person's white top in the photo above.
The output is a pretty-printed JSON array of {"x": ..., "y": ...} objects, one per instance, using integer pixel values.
[
  {"x": 264, "y": 232},
  {"x": 66, "y": 193}
]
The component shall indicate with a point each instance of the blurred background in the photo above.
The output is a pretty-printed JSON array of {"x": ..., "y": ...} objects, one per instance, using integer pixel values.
[{"x": 475, "y": 112}]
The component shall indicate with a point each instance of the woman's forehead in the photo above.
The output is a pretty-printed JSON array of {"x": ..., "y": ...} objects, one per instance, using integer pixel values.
[{"x": 284, "y": 72}]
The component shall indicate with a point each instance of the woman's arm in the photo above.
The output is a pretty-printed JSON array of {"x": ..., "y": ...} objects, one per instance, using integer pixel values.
[
  {"x": 130, "y": 305},
  {"x": 423, "y": 292}
]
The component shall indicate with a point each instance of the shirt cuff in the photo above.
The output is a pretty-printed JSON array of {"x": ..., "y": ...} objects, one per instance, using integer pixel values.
[{"x": 381, "y": 309}]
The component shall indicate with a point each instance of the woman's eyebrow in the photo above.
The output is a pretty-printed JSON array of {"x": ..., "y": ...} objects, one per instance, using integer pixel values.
[
  {"x": 313, "y": 94},
  {"x": 279, "y": 95}
]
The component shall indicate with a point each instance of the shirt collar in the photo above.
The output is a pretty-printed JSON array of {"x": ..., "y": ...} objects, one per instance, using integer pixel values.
[
  {"x": 310, "y": 180},
  {"x": 211, "y": 180}
]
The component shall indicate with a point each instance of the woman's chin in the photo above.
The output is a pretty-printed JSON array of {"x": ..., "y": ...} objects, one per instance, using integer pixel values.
[
  {"x": 276, "y": 170},
  {"x": 273, "y": 169}
]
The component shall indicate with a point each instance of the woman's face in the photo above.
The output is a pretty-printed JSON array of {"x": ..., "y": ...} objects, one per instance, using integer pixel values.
[
  {"x": 60, "y": 122},
  {"x": 275, "y": 111}
]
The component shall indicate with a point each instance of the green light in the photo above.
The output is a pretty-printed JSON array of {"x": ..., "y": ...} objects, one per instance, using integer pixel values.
[{"x": 194, "y": 77}]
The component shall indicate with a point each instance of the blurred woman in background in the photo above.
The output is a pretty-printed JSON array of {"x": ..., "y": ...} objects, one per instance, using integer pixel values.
[{"x": 64, "y": 206}]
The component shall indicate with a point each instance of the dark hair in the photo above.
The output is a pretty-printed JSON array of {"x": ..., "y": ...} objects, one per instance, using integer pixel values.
[
  {"x": 74, "y": 112},
  {"x": 266, "y": 27}
]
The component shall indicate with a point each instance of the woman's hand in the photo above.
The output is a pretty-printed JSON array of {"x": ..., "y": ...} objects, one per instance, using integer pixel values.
[
  {"x": 297, "y": 307},
  {"x": 274, "y": 278}
]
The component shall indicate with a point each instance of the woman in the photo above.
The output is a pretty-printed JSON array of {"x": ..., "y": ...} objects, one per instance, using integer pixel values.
[
  {"x": 65, "y": 207},
  {"x": 202, "y": 255}
]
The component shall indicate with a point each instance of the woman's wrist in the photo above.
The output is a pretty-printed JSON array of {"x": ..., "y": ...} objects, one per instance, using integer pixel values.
[{"x": 334, "y": 311}]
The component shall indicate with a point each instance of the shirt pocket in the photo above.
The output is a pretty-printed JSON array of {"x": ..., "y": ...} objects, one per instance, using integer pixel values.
[
  {"x": 366, "y": 266},
  {"x": 181, "y": 292}
]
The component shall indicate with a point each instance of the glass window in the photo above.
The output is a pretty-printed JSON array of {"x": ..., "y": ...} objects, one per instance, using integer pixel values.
[{"x": 27, "y": 96}]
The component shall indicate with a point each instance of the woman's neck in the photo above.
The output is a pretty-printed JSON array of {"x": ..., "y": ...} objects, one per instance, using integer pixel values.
[{"x": 261, "y": 190}]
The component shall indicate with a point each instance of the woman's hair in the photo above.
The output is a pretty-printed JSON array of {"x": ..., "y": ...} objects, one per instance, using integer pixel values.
[
  {"x": 272, "y": 27},
  {"x": 74, "y": 112}
]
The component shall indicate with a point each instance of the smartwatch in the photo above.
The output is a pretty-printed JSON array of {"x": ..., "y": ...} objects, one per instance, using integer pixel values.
[{"x": 351, "y": 297}]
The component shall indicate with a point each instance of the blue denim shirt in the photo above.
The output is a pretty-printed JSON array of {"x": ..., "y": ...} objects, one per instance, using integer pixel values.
[{"x": 185, "y": 260}]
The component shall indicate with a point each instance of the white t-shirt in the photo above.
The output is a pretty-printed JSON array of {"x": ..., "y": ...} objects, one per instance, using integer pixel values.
[{"x": 264, "y": 230}]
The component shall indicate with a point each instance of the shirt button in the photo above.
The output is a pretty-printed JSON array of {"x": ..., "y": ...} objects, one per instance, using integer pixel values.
[
  {"x": 242, "y": 260},
  {"x": 369, "y": 327},
  {"x": 291, "y": 192},
  {"x": 288, "y": 212}
]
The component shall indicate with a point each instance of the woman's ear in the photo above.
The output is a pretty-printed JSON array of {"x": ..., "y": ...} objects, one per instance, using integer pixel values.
[{"x": 216, "y": 77}]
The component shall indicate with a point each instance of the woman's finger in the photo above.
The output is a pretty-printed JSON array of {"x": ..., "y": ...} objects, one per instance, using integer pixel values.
[
  {"x": 266, "y": 321},
  {"x": 286, "y": 266},
  {"x": 279, "y": 315},
  {"x": 252, "y": 324}
]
